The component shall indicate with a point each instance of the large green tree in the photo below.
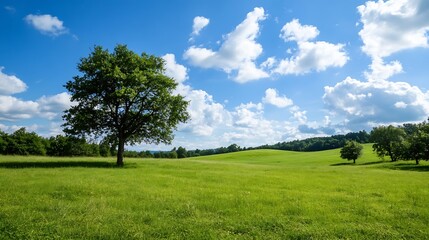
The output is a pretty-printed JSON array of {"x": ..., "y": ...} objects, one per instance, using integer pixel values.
[
  {"x": 388, "y": 141},
  {"x": 352, "y": 150},
  {"x": 417, "y": 144},
  {"x": 124, "y": 96}
]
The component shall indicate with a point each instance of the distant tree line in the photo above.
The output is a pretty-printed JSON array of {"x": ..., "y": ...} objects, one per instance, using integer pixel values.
[
  {"x": 406, "y": 142},
  {"x": 22, "y": 142},
  {"x": 305, "y": 145},
  {"x": 320, "y": 143}
]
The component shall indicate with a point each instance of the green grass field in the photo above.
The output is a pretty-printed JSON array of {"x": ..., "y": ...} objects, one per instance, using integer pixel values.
[{"x": 263, "y": 194}]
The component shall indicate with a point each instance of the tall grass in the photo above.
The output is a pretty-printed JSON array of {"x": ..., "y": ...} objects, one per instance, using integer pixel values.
[{"x": 262, "y": 194}]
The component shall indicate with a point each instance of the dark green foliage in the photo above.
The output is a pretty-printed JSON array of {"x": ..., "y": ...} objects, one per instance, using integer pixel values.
[
  {"x": 319, "y": 143},
  {"x": 71, "y": 146},
  {"x": 416, "y": 145},
  {"x": 181, "y": 152},
  {"x": 131, "y": 154},
  {"x": 136, "y": 154},
  {"x": 388, "y": 141},
  {"x": 57, "y": 146},
  {"x": 233, "y": 148},
  {"x": 22, "y": 142},
  {"x": 351, "y": 151},
  {"x": 170, "y": 154},
  {"x": 104, "y": 148},
  {"x": 124, "y": 97},
  {"x": 406, "y": 142},
  {"x": 3, "y": 142}
]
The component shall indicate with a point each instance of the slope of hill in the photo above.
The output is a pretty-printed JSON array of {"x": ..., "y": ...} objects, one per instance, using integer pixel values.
[{"x": 262, "y": 194}]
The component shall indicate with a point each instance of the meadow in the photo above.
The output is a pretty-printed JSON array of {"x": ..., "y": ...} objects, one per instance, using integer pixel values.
[{"x": 259, "y": 194}]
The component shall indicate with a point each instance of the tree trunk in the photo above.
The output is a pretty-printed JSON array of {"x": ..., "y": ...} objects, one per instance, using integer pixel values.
[
  {"x": 392, "y": 156},
  {"x": 417, "y": 162},
  {"x": 120, "y": 154},
  {"x": 354, "y": 161}
]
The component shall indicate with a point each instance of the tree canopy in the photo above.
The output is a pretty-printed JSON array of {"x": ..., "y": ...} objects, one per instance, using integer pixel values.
[
  {"x": 351, "y": 151},
  {"x": 124, "y": 97},
  {"x": 416, "y": 144},
  {"x": 388, "y": 141}
]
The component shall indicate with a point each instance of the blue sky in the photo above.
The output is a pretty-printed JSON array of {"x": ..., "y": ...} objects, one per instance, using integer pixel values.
[{"x": 255, "y": 72}]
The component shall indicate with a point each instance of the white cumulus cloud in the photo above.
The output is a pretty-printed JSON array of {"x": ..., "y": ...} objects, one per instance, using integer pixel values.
[
  {"x": 12, "y": 108},
  {"x": 387, "y": 28},
  {"x": 51, "y": 107},
  {"x": 377, "y": 102},
  {"x": 251, "y": 128},
  {"x": 294, "y": 31},
  {"x": 10, "y": 84},
  {"x": 392, "y": 26},
  {"x": 46, "y": 24},
  {"x": 269, "y": 63},
  {"x": 272, "y": 97},
  {"x": 205, "y": 113},
  {"x": 211, "y": 125},
  {"x": 174, "y": 70},
  {"x": 237, "y": 53},
  {"x": 47, "y": 107},
  {"x": 381, "y": 70},
  {"x": 199, "y": 23},
  {"x": 310, "y": 56},
  {"x": 299, "y": 115}
]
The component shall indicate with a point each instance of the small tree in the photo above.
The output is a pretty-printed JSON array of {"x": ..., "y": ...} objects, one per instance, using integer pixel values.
[
  {"x": 124, "y": 97},
  {"x": 233, "y": 148},
  {"x": 181, "y": 152},
  {"x": 351, "y": 151}
]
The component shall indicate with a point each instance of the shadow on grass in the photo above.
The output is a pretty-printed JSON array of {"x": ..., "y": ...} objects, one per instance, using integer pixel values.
[
  {"x": 65, "y": 164},
  {"x": 409, "y": 167},
  {"x": 342, "y": 164},
  {"x": 356, "y": 164},
  {"x": 372, "y": 163}
]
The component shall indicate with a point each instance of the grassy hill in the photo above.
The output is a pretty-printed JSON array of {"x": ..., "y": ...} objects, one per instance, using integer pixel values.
[{"x": 264, "y": 194}]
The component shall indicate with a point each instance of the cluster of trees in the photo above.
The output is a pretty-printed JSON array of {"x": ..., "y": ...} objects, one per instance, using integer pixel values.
[
  {"x": 22, "y": 142},
  {"x": 406, "y": 142},
  {"x": 320, "y": 143},
  {"x": 181, "y": 152}
]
